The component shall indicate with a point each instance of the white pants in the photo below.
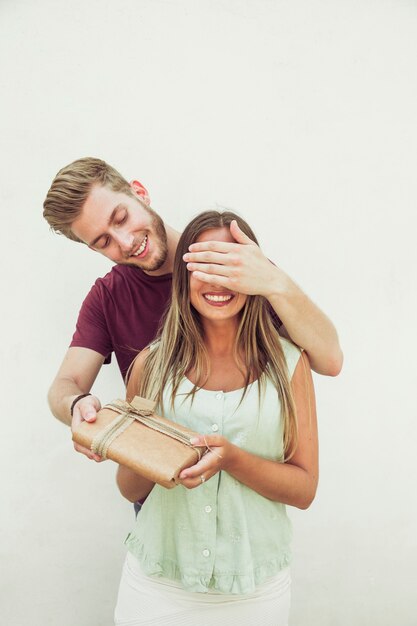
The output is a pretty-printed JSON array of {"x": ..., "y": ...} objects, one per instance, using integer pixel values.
[{"x": 146, "y": 601}]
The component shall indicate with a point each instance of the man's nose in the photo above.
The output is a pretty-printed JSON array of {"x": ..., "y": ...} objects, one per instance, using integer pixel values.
[{"x": 124, "y": 240}]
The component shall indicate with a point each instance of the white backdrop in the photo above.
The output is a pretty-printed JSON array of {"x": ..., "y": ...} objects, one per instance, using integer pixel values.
[{"x": 301, "y": 116}]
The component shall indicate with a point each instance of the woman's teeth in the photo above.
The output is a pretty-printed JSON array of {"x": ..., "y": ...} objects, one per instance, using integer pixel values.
[
  {"x": 141, "y": 247},
  {"x": 218, "y": 298}
]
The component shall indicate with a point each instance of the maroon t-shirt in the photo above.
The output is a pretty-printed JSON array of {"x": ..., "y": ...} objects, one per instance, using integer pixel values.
[{"x": 121, "y": 313}]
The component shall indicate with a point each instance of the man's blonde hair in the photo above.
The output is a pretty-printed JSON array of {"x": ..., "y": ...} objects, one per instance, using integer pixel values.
[{"x": 70, "y": 189}]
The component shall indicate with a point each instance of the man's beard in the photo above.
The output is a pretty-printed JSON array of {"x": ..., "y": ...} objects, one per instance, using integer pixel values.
[{"x": 159, "y": 235}]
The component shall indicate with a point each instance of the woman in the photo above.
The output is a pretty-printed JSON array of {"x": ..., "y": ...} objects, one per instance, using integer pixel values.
[{"x": 215, "y": 550}]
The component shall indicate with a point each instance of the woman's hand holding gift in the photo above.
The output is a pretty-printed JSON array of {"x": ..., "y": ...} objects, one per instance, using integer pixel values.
[{"x": 221, "y": 453}]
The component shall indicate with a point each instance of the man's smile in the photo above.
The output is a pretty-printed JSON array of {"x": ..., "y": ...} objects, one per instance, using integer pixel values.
[{"x": 142, "y": 248}]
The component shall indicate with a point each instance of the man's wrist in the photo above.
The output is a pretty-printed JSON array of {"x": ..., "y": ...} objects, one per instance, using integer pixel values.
[
  {"x": 75, "y": 400},
  {"x": 280, "y": 286}
]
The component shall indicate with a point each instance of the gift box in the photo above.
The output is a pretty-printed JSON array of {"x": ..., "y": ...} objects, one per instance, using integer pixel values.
[{"x": 133, "y": 435}]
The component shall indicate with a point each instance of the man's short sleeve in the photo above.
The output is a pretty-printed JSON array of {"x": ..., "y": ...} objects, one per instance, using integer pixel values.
[{"x": 91, "y": 329}]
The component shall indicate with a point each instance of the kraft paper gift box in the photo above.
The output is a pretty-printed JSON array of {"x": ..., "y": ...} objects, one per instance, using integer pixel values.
[{"x": 133, "y": 435}]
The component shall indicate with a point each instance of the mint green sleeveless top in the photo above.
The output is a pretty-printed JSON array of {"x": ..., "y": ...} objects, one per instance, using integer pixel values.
[{"x": 221, "y": 535}]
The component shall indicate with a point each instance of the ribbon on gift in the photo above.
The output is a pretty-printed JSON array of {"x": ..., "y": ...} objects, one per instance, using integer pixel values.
[{"x": 140, "y": 410}]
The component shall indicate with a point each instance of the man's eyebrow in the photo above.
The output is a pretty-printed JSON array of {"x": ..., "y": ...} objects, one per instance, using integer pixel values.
[{"x": 109, "y": 223}]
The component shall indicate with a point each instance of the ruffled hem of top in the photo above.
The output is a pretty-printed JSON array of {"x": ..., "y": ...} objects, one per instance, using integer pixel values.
[{"x": 225, "y": 583}]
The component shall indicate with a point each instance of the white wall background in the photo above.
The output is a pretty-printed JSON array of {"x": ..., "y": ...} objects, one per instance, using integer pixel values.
[{"x": 302, "y": 116}]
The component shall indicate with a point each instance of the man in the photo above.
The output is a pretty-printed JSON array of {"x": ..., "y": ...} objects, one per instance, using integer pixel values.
[{"x": 90, "y": 202}]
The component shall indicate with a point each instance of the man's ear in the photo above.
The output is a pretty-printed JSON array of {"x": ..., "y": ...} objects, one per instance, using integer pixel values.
[{"x": 141, "y": 191}]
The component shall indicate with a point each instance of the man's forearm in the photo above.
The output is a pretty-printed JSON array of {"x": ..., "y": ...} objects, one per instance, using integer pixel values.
[
  {"x": 76, "y": 376},
  {"x": 61, "y": 395},
  {"x": 308, "y": 327}
]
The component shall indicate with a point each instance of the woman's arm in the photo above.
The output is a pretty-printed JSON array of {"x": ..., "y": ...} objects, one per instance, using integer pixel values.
[
  {"x": 294, "y": 482},
  {"x": 132, "y": 486},
  {"x": 134, "y": 374}
]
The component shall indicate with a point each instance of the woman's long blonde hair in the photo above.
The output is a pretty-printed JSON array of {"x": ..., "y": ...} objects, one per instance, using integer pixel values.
[{"x": 180, "y": 342}]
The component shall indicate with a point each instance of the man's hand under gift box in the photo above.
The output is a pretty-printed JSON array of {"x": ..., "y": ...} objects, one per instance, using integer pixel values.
[{"x": 134, "y": 436}]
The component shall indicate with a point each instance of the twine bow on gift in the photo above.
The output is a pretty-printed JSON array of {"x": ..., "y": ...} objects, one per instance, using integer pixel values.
[{"x": 140, "y": 410}]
